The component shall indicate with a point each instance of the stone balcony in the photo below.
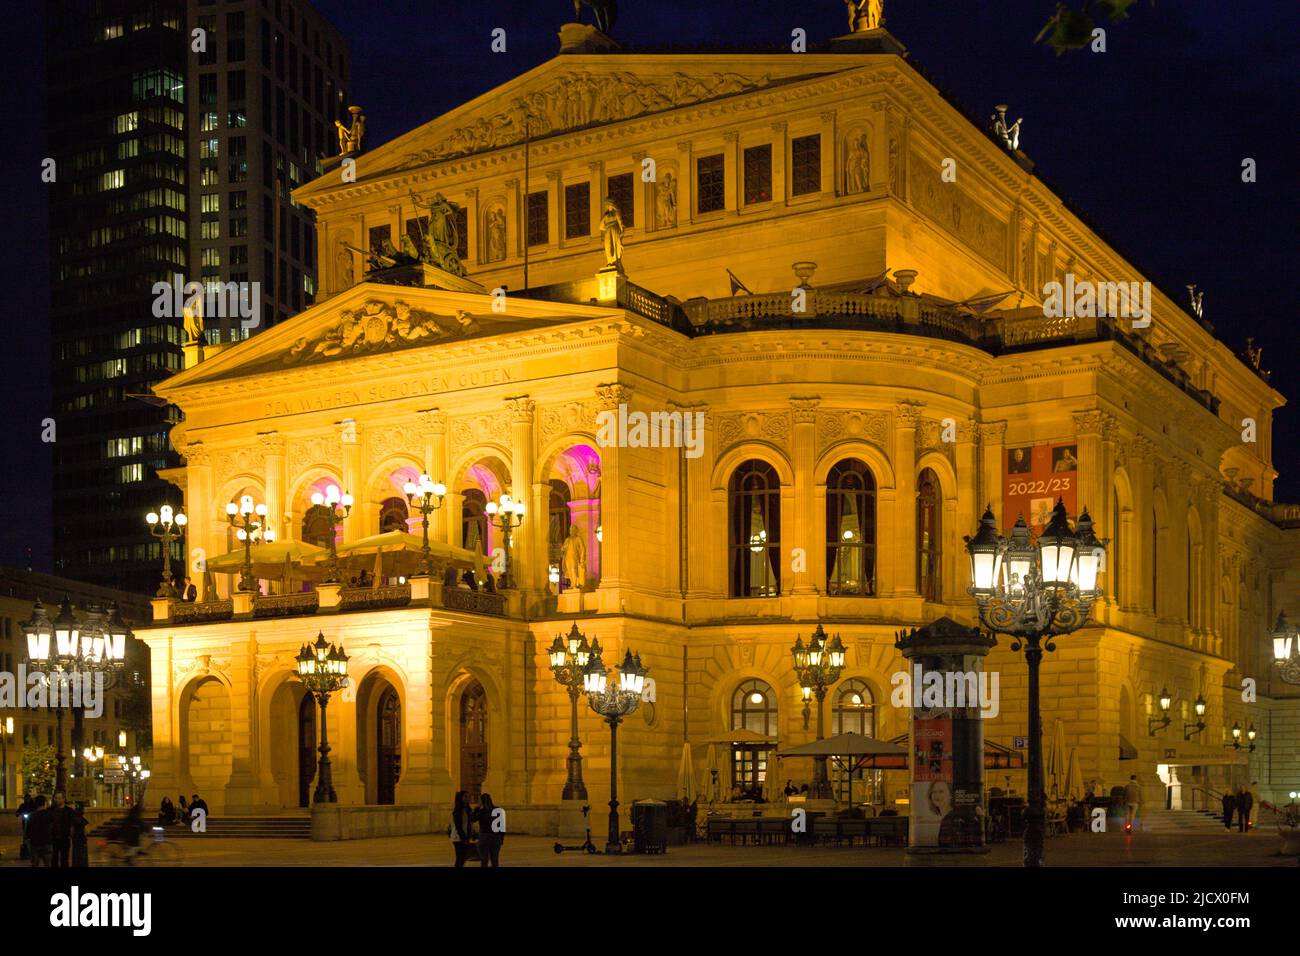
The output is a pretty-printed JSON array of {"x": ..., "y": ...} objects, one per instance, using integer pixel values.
[{"x": 334, "y": 599}]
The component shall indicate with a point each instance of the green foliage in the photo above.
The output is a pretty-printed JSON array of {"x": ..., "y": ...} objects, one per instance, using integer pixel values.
[
  {"x": 1071, "y": 27},
  {"x": 37, "y": 767}
]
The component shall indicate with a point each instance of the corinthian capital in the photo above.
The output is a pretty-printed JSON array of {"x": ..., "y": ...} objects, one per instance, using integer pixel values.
[
  {"x": 1092, "y": 421},
  {"x": 432, "y": 421},
  {"x": 272, "y": 443},
  {"x": 521, "y": 408},
  {"x": 613, "y": 395},
  {"x": 993, "y": 433},
  {"x": 804, "y": 410},
  {"x": 909, "y": 414},
  {"x": 196, "y": 455}
]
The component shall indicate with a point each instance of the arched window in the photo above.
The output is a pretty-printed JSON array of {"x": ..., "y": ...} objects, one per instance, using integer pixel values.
[
  {"x": 854, "y": 712},
  {"x": 473, "y": 521},
  {"x": 393, "y": 513},
  {"x": 317, "y": 527},
  {"x": 753, "y": 707},
  {"x": 558, "y": 529},
  {"x": 929, "y": 540},
  {"x": 851, "y": 529},
  {"x": 755, "y": 530}
]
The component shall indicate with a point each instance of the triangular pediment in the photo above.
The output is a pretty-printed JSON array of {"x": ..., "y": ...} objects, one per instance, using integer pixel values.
[
  {"x": 577, "y": 91},
  {"x": 375, "y": 319}
]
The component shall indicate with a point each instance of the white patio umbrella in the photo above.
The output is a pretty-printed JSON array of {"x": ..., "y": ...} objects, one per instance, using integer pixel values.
[
  {"x": 773, "y": 789},
  {"x": 397, "y": 554},
  {"x": 1056, "y": 763},
  {"x": 269, "y": 558},
  {"x": 712, "y": 775},
  {"x": 686, "y": 776},
  {"x": 1073, "y": 777}
]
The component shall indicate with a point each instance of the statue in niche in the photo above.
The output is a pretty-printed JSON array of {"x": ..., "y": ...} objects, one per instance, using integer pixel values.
[
  {"x": 574, "y": 559},
  {"x": 857, "y": 167},
  {"x": 347, "y": 277},
  {"x": 893, "y": 166},
  {"x": 611, "y": 234},
  {"x": 666, "y": 202},
  {"x": 496, "y": 235}
]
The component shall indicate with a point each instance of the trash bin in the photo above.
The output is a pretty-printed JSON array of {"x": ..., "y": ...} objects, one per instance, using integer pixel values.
[{"x": 650, "y": 826}]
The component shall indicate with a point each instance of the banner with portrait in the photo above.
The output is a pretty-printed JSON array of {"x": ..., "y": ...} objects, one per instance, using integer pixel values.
[{"x": 1033, "y": 478}]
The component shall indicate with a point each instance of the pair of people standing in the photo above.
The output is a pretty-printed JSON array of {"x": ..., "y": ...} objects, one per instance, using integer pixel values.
[
  {"x": 1243, "y": 801},
  {"x": 481, "y": 828}
]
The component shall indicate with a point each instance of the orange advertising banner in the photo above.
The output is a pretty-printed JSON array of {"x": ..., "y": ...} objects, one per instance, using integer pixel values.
[{"x": 1033, "y": 477}]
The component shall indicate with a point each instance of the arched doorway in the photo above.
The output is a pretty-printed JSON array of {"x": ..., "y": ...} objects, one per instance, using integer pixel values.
[
  {"x": 208, "y": 747},
  {"x": 473, "y": 739},
  {"x": 388, "y": 746},
  {"x": 306, "y": 748}
]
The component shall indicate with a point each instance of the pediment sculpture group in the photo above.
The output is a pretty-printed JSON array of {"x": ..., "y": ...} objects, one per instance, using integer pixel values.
[{"x": 377, "y": 326}]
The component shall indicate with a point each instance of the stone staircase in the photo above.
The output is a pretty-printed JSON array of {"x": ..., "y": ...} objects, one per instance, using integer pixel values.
[
  {"x": 1182, "y": 821},
  {"x": 283, "y": 827}
]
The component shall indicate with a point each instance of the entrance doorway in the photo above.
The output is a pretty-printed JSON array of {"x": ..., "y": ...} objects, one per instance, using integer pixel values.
[
  {"x": 306, "y": 748},
  {"x": 473, "y": 739},
  {"x": 388, "y": 749}
]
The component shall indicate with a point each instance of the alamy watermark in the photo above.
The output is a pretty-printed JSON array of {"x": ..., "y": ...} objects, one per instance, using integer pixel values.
[
  {"x": 217, "y": 300},
  {"x": 39, "y": 691},
  {"x": 624, "y": 429},
  {"x": 1081, "y": 298},
  {"x": 929, "y": 690}
]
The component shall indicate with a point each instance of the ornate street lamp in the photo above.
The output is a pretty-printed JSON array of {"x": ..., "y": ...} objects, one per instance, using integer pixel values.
[
  {"x": 1034, "y": 592},
  {"x": 1163, "y": 721},
  {"x": 327, "y": 506},
  {"x": 249, "y": 522},
  {"x": 569, "y": 658},
  {"x": 505, "y": 515},
  {"x": 323, "y": 669},
  {"x": 818, "y": 667},
  {"x": 430, "y": 494},
  {"x": 68, "y": 649},
  {"x": 167, "y": 526},
  {"x": 1191, "y": 730},
  {"x": 1251, "y": 734},
  {"x": 1286, "y": 649},
  {"x": 613, "y": 701}
]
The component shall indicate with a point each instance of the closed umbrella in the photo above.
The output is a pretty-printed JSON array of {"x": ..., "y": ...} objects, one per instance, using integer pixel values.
[
  {"x": 772, "y": 789},
  {"x": 1073, "y": 777},
  {"x": 1056, "y": 763},
  {"x": 686, "y": 776},
  {"x": 712, "y": 775},
  {"x": 377, "y": 576}
]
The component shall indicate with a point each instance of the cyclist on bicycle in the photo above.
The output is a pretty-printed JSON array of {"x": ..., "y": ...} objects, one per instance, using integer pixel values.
[{"x": 127, "y": 830}]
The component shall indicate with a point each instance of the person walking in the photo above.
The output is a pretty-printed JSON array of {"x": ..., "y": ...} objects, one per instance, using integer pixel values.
[
  {"x": 38, "y": 834},
  {"x": 60, "y": 829},
  {"x": 1132, "y": 801},
  {"x": 24, "y": 814},
  {"x": 1229, "y": 804},
  {"x": 80, "y": 849},
  {"x": 1245, "y": 803},
  {"x": 491, "y": 831},
  {"x": 461, "y": 830}
]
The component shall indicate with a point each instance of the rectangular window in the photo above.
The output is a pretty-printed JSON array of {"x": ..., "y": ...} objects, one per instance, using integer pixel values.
[
  {"x": 211, "y": 202},
  {"x": 806, "y": 165},
  {"x": 758, "y": 174},
  {"x": 538, "y": 219},
  {"x": 577, "y": 210},
  {"x": 208, "y": 89},
  {"x": 210, "y": 229},
  {"x": 620, "y": 191},
  {"x": 208, "y": 123},
  {"x": 710, "y": 176}
]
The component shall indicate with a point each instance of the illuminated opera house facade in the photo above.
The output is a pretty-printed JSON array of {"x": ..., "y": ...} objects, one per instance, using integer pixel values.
[{"x": 866, "y": 341}]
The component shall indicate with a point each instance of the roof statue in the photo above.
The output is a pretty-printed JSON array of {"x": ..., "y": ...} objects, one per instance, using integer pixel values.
[
  {"x": 192, "y": 312},
  {"x": 611, "y": 234},
  {"x": 350, "y": 136},
  {"x": 442, "y": 237},
  {"x": 1197, "y": 298},
  {"x": 605, "y": 11},
  {"x": 865, "y": 15},
  {"x": 1010, "y": 135}
]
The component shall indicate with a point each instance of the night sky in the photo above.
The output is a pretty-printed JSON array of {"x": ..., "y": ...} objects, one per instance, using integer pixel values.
[{"x": 1146, "y": 141}]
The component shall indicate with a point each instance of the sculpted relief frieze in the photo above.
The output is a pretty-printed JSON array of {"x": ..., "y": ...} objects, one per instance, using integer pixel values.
[
  {"x": 579, "y": 99},
  {"x": 379, "y": 327},
  {"x": 947, "y": 205},
  {"x": 769, "y": 426},
  {"x": 322, "y": 450},
  {"x": 249, "y": 459},
  {"x": 469, "y": 430},
  {"x": 870, "y": 427},
  {"x": 570, "y": 417}
]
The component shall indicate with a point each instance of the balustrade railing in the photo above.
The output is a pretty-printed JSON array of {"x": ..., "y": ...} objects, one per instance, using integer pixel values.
[
  {"x": 285, "y": 605},
  {"x": 473, "y": 602},
  {"x": 205, "y": 611},
  {"x": 396, "y": 595}
]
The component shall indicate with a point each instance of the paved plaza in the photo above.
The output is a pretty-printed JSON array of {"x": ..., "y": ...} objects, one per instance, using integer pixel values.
[{"x": 1259, "y": 849}]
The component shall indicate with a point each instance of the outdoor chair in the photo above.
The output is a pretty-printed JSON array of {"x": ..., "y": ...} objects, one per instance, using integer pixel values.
[{"x": 772, "y": 831}]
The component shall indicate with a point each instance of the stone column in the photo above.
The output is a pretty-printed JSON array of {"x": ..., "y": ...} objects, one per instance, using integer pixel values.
[
  {"x": 243, "y": 793},
  {"x": 352, "y": 477},
  {"x": 166, "y": 765},
  {"x": 803, "y": 449},
  {"x": 828, "y": 154},
  {"x": 529, "y": 569},
  {"x": 433, "y": 430},
  {"x": 609, "y": 397},
  {"x": 685, "y": 183},
  {"x": 273, "y": 444},
  {"x": 702, "y": 552},
  {"x": 515, "y": 206},
  {"x": 1138, "y": 574},
  {"x": 200, "y": 508},
  {"x": 904, "y": 558},
  {"x": 780, "y": 163},
  {"x": 473, "y": 251},
  {"x": 555, "y": 190},
  {"x": 733, "y": 173},
  {"x": 993, "y": 436},
  {"x": 596, "y": 207},
  {"x": 956, "y": 567}
]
